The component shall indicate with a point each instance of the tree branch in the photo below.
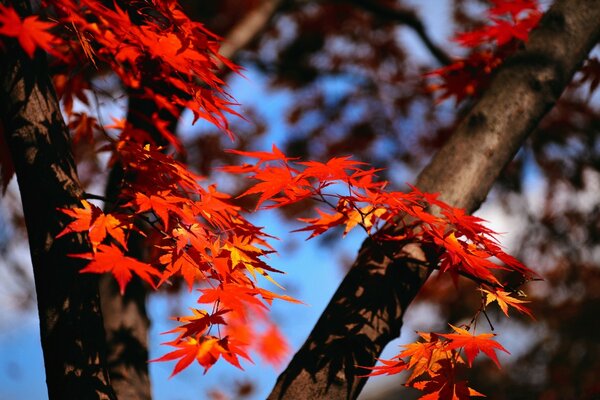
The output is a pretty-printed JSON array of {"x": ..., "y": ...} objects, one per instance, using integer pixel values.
[
  {"x": 408, "y": 18},
  {"x": 366, "y": 311},
  {"x": 245, "y": 31}
]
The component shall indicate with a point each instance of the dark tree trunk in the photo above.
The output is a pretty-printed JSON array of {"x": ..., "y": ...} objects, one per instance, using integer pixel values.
[
  {"x": 366, "y": 311},
  {"x": 71, "y": 326}
]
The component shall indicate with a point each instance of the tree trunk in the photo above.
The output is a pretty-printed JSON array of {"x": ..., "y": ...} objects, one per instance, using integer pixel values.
[
  {"x": 71, "y": 327},
  {"x": 366, "y": 311}
]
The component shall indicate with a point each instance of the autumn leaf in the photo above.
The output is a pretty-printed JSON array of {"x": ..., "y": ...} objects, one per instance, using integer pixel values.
[
  {"x": 233, "y": 296},
  {"x": 441, "y": 388},
  {"x": 504, "y": 300},
  {"x": 83, "y": 127},
  {"x": 109, "y": 258},
  {"x": 30, "y": 32},
  {"x": 322, "y": 223},
  {"x": 263, "y": 156},
  {"x": 161, "y": 203},
  {"x": 335, "y": 168},
  {"x": 427, "y": 356},
  {"x": 365, "y": 217},
  {"x": 243, "y": 252},
  {"x": 91, "y": 219},
  {"x": 183, "y": 263},
  {"x": 206, "y": 350},
  {"x": 273, "y": 181},
  {"x": 200, "y": 321},
  {"x": 472, "y": 344},
  {"x": 389, "y": 367},
  {"x": 272, "y": 346}
]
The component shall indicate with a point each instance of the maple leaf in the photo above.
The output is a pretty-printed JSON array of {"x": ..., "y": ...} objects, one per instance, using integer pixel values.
[
  {"x": 365, "y": 217},
  {"x": 513, "y": 7},
  {"x": 335, "y": 168},
  {"x": 83, "y": 127},
  {"x": 91, "y": 219},
  {"x": 426, "y": 357},
  {"x": 160, "y": 203},
  {"x": 30, "y": 32},
  {"x": 272, "y": 346},
  {"x": 263, "y": 156},
  {"x": 206, "y": 350},
  {"x": 243, "y": 252},
  {"x": 180, "y": 262},
  {"x": 467, "y": 257},
  {"x": 389, "y": 367},
  {"x": 200, "y": 321},
  {"x": 321, "y": 224},
  {"x": 504, "y": 300},
  {"x": 472, "y": 344},
  {"x": 109, "y": 258},
  {"x": 274, "y": 180},
  {"x": 234, "y": 297},
  {"x": 441, "y": 388},
  {"x": 269, "y": 296}
]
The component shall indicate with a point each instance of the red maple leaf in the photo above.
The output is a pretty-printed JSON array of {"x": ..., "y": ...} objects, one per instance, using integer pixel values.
[
  {"x": 111, "y": 259},
  {"x": 263, "y": 156},
  {"x": 389, "y": 367},
  {"x": 30, "y": 32},
  {"x": 200, "y": 321},
  {"x": 272, "y": 346},
  {"x": 335, "y": 168},
  {"x": 441, "y": 388}
]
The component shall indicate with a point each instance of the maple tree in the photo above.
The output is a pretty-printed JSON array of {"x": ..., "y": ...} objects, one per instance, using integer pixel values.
[{"x": 201, "y": 235}]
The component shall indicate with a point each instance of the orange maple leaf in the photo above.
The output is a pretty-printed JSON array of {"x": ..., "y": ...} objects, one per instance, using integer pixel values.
[
  {"x": 427, "y": 356},
  {"x": 206, "y": 350},
  {"x": 91, "y": 219},
  {"x": 472, "y": 344},
  {"x": 504, "y": 300}
]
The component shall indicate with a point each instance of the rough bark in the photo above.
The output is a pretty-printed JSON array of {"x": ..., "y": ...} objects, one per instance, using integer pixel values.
[
  {"x": 71, "y": 327},
  {"x": 366, "y": 311}
]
